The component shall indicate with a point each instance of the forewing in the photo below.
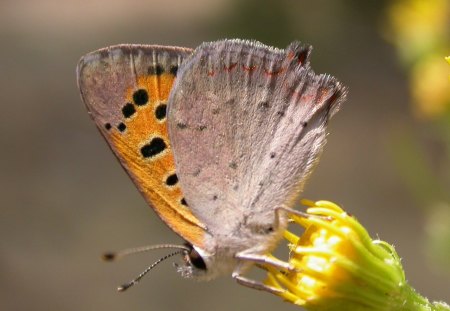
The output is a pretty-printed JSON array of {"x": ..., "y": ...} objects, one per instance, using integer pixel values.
[
  {"x": 125, "y": 89},
  {"x": 247, "y": 122}
]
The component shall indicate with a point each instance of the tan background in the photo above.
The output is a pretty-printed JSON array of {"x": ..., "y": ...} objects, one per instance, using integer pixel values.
[{"x": 64, "y": 199}]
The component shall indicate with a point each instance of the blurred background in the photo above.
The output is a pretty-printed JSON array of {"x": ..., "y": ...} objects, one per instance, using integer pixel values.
[{"x": 65, "y": 199}]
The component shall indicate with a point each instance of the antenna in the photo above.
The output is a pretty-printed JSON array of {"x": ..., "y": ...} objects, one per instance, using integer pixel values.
[
  {"x": 126, "y": 286},
  {"x": 111, "y": 256}
]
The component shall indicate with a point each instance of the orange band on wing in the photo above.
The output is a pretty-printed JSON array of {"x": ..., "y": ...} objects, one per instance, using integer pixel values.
[{"x": 143, "y": 146}]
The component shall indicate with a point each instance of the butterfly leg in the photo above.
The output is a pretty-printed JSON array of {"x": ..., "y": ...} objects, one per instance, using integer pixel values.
[
  {"x": 242, "y": 280},
  {"x": 264, "y": 260},
  {"x": 247, "y": 257},
  {"x": 289, "y": 210},
  {"x": 292, "y": 211}
]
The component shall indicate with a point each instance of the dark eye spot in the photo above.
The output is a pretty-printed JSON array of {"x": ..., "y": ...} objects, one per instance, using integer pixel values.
[
  {"x": 304, "y": 124},
  {"x": 160, "y": 111},
  {"x": 121, "y": 127},
  {"x": 215, "y": 197},
  {"x": 156, "y": 146},
  {"x": 108, "y": 126},
  {"x": 128, "y": 110},
  {"x": 183, "y": 202},
  {"x": 140, "y": 97},
  {"x": 272, "y": 155},
  {"x": 172, "y": 180}
]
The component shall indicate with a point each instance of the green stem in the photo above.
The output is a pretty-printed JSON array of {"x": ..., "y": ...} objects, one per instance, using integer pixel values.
[{"x": 410, "y": 300}]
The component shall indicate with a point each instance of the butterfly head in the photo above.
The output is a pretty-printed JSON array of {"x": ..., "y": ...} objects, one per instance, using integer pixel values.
[
  {"x": 220, "y": 255},
  {"x": 202, "y": 265},
  {"x": 197, "y": 264}
]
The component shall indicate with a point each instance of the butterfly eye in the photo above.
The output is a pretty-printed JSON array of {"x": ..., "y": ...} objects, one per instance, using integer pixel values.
[{"x": 196, "y": 260}]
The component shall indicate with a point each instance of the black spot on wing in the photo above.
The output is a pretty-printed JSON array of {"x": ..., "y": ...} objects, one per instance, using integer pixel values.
[
  {"x": 160, "y": 112},
  {"x": 140, "y": 97},
  {"x": 155, "y": 70},
  {"x": 155, "y": 147},
  {"x": 181, "y": 125},
  {"x": 173, "y": 70},
  {"x": 121, "y": 127},
  {"x": 172, "y": 180},
  {"x": 264, "y": 104},
  {"x": 128, "y": 110}
]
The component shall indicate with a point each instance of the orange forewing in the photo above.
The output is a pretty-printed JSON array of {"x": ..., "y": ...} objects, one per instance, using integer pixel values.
[{"x": 131, "y": 130}]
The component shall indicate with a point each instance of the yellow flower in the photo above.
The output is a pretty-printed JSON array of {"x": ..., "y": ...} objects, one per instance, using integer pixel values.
[
  {"x": 420, "y": 31},
  {"x": 430, "y": 88},
  {"x": 418, "y": 26},
  {"x": 339, "y": 267}
]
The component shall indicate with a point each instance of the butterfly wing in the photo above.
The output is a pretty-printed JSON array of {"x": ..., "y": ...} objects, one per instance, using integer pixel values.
[
  {"x": 125, "y": 89},
  {"x": 247, "y": 122}
]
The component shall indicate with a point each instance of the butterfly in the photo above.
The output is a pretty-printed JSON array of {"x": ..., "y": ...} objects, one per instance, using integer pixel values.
[{"x": 219, "y": 140}]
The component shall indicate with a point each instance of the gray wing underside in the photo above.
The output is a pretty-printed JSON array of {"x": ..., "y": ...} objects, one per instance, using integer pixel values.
[{"x": 246, "y": 123}]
